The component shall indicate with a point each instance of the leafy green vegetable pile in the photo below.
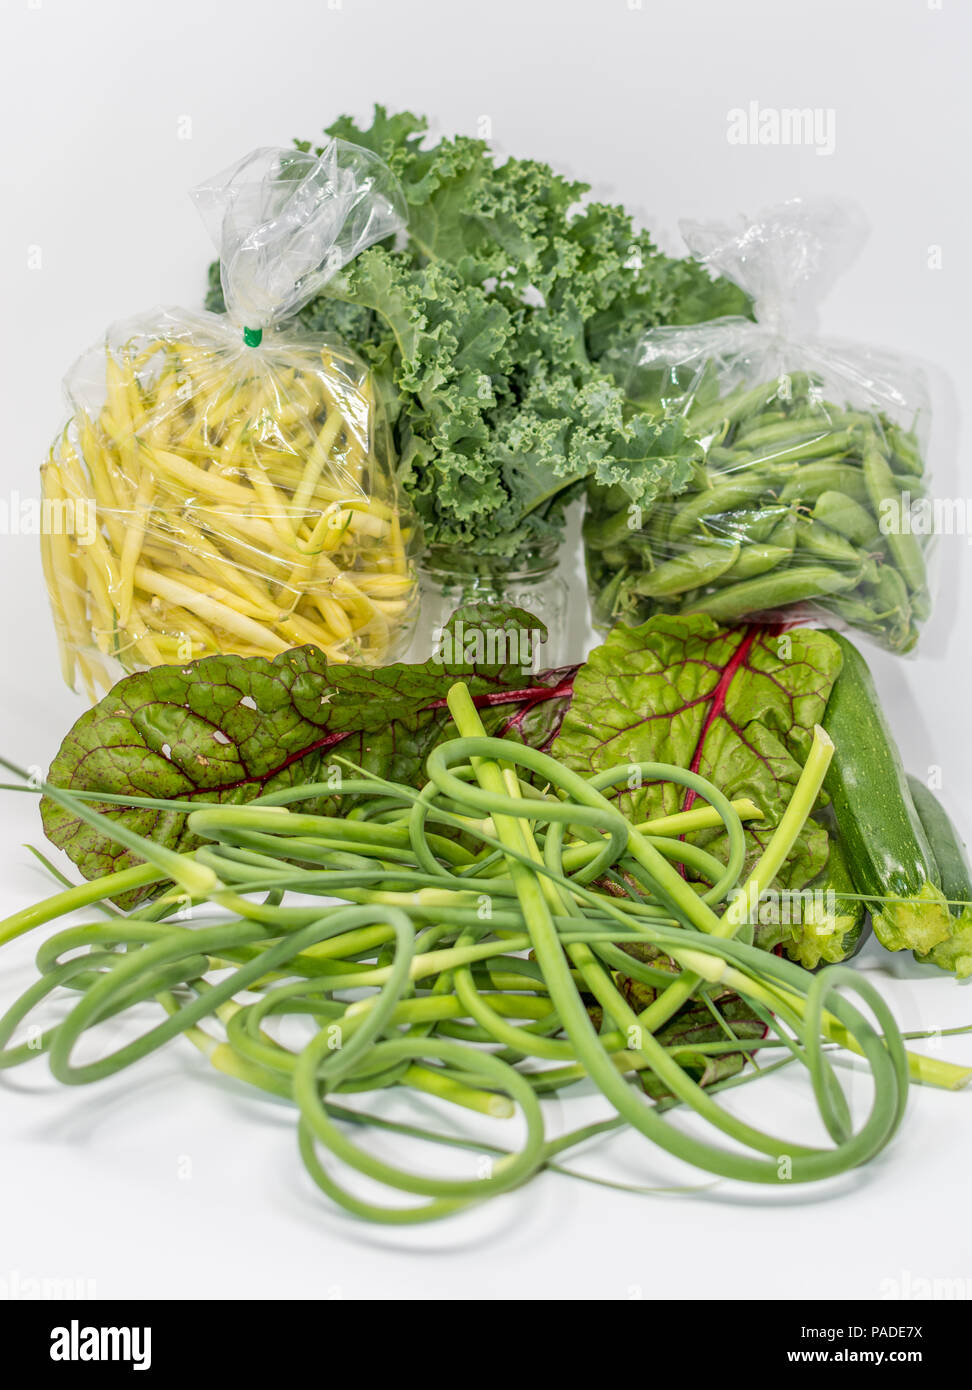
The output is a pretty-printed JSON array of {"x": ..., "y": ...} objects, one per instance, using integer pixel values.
[
  {"x": 491, "y": 334},
  {"x": 797, "y": 499},
  {"x": 232, "y": 728},
  {"x": 505, "y": 849},
  {"x": 682, "y": 789},
  {"x": 526, "y": 882},
  {"x": 737, "y": 706}
]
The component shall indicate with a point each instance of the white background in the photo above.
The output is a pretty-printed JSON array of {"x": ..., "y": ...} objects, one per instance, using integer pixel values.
[{"x": 635, "y": 98}]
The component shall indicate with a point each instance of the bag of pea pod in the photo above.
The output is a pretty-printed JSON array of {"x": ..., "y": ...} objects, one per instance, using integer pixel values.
[
  {"x": 807, "y": 492},
  {"x": 230, "y": 480}
]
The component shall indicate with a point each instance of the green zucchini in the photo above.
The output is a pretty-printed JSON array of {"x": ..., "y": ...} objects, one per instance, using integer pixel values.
[
  {"x": 948, "y": 849},
  {"x": 956, "y": 881},
  {"x": 888, "y": 853}
]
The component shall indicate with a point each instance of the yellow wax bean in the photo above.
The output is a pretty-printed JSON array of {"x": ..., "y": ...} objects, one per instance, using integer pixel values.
[
  {"x": 132, "y": 546},
  {"x": 208, "y": 608},
  {"x": 384, "y": 585},
  {"x": 172, "y": 619},
  {"x": 312, "y": 469},
  {"x": 195, "y": 480},
  {"x": 334, "y": 615},
  {"x": 102, "y": 610},
  {"x": 273, "y": 504},
  {"x": 204, "y": 585}
]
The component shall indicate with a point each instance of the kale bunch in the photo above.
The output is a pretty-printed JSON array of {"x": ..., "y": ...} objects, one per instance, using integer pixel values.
[{"x": 495, "y": 333}]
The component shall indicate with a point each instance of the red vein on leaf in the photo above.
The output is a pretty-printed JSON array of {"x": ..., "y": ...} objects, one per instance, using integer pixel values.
[
  {"x": 529, "y": 697},
  {"x": 717, "y": 703}
]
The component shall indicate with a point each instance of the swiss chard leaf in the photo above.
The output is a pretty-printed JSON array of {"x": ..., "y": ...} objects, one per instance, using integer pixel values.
[
  {"x": 736, "y": 705},
  {"x": 228, "y": 728}
]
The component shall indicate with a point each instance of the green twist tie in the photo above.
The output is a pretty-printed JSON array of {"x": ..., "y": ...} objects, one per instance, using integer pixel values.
[{"x": 253, "y": 336}]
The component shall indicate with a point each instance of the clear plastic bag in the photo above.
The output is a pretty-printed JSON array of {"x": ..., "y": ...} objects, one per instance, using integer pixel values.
[
  {"x": 809, "y": 465},
  {"x": 225, "y": 486}
]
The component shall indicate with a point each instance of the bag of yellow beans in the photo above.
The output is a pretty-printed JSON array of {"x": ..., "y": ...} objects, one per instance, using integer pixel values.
[{"x": 224, "y": 484}]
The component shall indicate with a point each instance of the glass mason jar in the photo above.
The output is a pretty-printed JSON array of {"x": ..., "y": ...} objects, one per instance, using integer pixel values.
[{"x": 451, "y": 579}]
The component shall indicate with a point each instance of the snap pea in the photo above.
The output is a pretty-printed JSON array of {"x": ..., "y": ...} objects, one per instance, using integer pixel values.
[
  {"x": 609, "y": 597},
  {"x": 891, "y": 593},
  {"x": 921, "y": 605},
  {"x": 736, "y": 406},
  {"x": 782, "y": 470},
  {"x": 720, "y": 457},
  {"x": 714, "y": 500},
  {"x": 841, "y": 513},
  {"x": 825, "y": 544},
  {"x": 756, "y": 559},
  {"x": 785, "y": 533},
  {"x": 696, "y": 565},
  {"x": 859, "y": 612},
  {"x": 784, "y": 430},
  {"x": 824, "y": 475},
  {"x": 903, "y": 545},
  {"x": 771, "y": 592},
  {"x": 822, "y": 444},
  {"x": 910, "y": 482},
  {"x": 904, "y": 449},
  {"x": 616, "y": 557},
  {"x": 612, "y": 530},
  {"x": 747, "y": 432},
  {"x": 876, "y": 609},
  {"x": 752, "y": 525}
]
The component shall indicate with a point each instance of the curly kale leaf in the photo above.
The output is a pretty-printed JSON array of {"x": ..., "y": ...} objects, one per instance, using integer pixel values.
[{"x": 493, "y": 331}]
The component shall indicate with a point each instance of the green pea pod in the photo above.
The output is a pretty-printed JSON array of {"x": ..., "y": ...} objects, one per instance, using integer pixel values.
[
  {"x": 859, "y": 612},
  {"x": 849, "y": 419},
  {"x": 696, "y": 566},
  {"x": 718, "y": 456},
  {"x": 603, "y": 532},
  {"x": 801, "y": 384},
  {"x": 615, "y": 557},
  {"x": 760, "y": 523},
  {"x": 890, "y": 590},
  {"x": 841, "y": 513},
  {"x": 609, "y": 602},
  {"x": 605, "y": 500},
  {"x": 889, "y": 629},
  {"x": 770, "y": 592},
  {"x": 723, "y": 528},
  {"x": 785, "y": 534},
  {"x": 911, "y": 483},
  {"x": 921, "y": 606},
  {"x": 786, "y": 431},
  {"x": 824, "y": 443},
  {"x": 724, "y": 497},
  {"x": 806, "y": 484},
  {"x": 749, "y": 430},
  {"x": 891, "y": 598},
  {"x": 748, "y": 524},
  {"x": 904, "y": 547},
  {"x": 756, "y": 559},
  {"x": 904, "y": 450},
  {"x": 738, "y": 405},
  {"x": 822, "y": 543}
]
